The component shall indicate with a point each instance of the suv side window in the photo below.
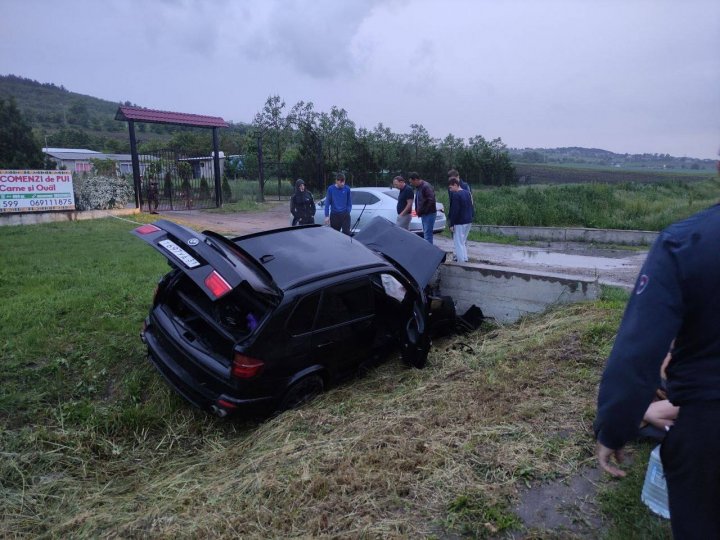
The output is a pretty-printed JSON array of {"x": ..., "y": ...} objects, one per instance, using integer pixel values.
[
  {"x": 345, "y": 302},
  {"x": 303, "y": 316}
]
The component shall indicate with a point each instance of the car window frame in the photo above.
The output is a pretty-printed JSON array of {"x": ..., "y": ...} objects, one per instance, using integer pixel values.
[
  {"x": 371, "y": 314},
  {"x": 362, "y": 194}
]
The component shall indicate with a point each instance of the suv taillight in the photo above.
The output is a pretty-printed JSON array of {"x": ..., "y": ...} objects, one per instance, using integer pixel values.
[
  {"x": 217, "y": 284},
  {"x": 246, "y": 367},
  {"x": 147, "y": 229}
]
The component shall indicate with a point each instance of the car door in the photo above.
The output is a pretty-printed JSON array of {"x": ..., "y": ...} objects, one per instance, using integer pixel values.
[
  {"x": 345, "y": 326},
  {"x": 365, "y": 206}
]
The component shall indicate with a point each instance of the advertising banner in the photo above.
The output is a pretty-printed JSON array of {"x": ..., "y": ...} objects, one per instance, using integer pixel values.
[{"x": 36, "y": 191}]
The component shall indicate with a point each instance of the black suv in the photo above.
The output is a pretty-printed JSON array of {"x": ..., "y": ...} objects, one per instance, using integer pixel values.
[{"x": 264, "y": 322}]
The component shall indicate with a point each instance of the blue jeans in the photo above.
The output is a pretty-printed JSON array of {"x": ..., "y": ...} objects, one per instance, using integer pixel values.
[{"x": 428, "y": 224}]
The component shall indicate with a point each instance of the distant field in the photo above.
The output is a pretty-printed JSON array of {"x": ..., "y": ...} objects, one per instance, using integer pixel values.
[
  {"x": 578, "y": 174},
  {"x": 649, "y": 206}
]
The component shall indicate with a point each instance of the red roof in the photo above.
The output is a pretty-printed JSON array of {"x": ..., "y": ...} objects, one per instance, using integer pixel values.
[{"x": 138, "y": 114}]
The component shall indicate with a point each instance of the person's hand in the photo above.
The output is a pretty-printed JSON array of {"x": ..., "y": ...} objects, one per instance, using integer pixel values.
[
  {"x": 604, "y": 454},
  {"x": 661, "y": 414},
  {"x": 327, "y": 221}
]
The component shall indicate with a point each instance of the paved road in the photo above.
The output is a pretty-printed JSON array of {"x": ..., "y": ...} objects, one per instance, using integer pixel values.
[{"x": 609, "y": 266}]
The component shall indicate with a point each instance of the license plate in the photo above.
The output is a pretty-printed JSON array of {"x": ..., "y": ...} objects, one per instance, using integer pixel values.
[{"x": 180, "y": 253}]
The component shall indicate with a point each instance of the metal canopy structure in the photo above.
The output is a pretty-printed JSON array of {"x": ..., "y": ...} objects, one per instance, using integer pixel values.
[{"x": 151, "y": 116}]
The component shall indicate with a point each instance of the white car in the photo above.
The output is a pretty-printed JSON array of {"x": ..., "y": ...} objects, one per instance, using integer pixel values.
[{"x": 369, "y": 202}]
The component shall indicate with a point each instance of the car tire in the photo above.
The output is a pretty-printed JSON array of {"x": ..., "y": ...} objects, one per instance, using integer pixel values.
[{"x": 304, "y": 390}]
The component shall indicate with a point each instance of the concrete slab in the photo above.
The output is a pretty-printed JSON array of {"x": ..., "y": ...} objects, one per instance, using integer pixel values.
[
  {"x": 572, "y": 234},
  {"x": 506, "y": 294}
]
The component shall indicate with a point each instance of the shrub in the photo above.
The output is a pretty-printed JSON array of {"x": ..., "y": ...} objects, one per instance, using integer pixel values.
[
  {"x": 102, "y": 193},
  {"x": 167, "y": 185},
  {"x": 204, "y": 189},
  {"x": 226, "y": 190}
]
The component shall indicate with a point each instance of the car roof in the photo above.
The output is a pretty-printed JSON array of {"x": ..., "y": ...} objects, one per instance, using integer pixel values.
[{"x": 298, "y": 255}]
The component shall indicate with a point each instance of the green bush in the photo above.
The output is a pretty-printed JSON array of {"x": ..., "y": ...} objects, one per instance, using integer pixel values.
[
  {"x": 204, "y": 189},
  {"x": 227, "y": 190},
  {"x": 102, "y": 193}
]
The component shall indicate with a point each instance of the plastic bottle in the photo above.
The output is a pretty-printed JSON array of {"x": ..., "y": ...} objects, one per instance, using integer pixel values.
[{"x": 654, "y": 492}]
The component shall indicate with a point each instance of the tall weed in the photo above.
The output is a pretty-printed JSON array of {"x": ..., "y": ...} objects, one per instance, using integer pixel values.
[{"x": 620, "y": 206}]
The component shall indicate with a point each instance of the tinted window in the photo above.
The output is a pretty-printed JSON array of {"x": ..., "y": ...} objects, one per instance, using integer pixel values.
[
  {"x": 363, "y": 197},
  {"x": 303, "y": 316},
  {"x": 392, "y": 193},
  {"x": 345, "y": 302}
]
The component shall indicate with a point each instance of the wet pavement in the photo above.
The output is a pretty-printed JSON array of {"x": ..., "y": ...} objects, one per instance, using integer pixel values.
[{"x": 610, "y": 266}]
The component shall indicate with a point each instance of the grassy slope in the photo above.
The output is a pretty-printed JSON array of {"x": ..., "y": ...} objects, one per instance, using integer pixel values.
[{"x": 94, "y": 444}]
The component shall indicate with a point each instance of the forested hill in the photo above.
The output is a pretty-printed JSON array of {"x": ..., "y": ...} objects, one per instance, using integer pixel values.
[
  {"x": 65, "y": 119},
  {"x": 595, "y": 157},
  {"x": 49, "y": 108}
]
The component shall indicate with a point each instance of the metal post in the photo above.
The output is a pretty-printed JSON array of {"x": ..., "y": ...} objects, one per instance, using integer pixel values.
[
  {"x": 261, "y": 170},
  {"x": 135, "y": 165},
  {"x": 216, "y": 168}
]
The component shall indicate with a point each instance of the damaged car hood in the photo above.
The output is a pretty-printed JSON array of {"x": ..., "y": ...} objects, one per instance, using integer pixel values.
[{"x": 418, "y": 258}]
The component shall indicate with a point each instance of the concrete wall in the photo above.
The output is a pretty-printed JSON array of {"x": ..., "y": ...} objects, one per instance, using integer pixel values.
[
  {"x": 33, "y": 218},
  {"x": 572, "y": 234},
  {"x": 506, "y": 294}
]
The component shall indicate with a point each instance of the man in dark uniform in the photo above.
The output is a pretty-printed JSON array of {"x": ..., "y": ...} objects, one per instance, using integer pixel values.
[{"x": 677, "y": 294}]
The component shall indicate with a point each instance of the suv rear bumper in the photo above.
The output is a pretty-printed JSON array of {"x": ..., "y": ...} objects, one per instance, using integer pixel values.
[{"x": 190, "y": 388}]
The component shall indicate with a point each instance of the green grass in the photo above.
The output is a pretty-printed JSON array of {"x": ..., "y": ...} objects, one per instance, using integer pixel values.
[
  {"x": 94, "y": 444},
  {"x": 619, "y": 501},
  {"x": 606, "y": 206}
]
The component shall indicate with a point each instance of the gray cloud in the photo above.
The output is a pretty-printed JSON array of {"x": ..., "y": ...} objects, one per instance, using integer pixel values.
[{"x": 639, "y": 76}]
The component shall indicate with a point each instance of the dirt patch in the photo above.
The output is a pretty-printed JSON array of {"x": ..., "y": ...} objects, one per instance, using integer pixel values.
[
  {"x": 276, "y": 216},
  {"x": 567, "y": 505}
]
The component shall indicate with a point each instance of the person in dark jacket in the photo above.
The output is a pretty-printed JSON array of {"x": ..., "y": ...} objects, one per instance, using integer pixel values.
[
  {"x": 404, "y": 202},
  {"x": 302, "y": 205},
  {"x": 676, "y": 294},
  {"x": 425, "y": 206},
  {"x": 460, "y": 217}
]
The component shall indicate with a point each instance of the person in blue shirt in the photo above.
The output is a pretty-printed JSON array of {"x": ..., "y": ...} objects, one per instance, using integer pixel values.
[
  {"x": 453, "y": 173},
  {"x": 404, "y": 202},
  {"x": 338, "y": 205},
  {"x": 460, "y": 218},
  {"x": 676, "y": 296}
]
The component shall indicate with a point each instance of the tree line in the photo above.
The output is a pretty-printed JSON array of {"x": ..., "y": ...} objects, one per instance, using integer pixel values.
[
  {"x": 300, "y": 142},
  {"x": 281, "y": 142}
]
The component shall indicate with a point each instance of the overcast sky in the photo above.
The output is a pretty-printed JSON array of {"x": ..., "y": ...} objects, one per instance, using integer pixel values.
[{"x": 622, "y": 75}]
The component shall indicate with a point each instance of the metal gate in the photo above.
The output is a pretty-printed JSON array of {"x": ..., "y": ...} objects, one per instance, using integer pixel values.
[{"x": 173, "y": 180}]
